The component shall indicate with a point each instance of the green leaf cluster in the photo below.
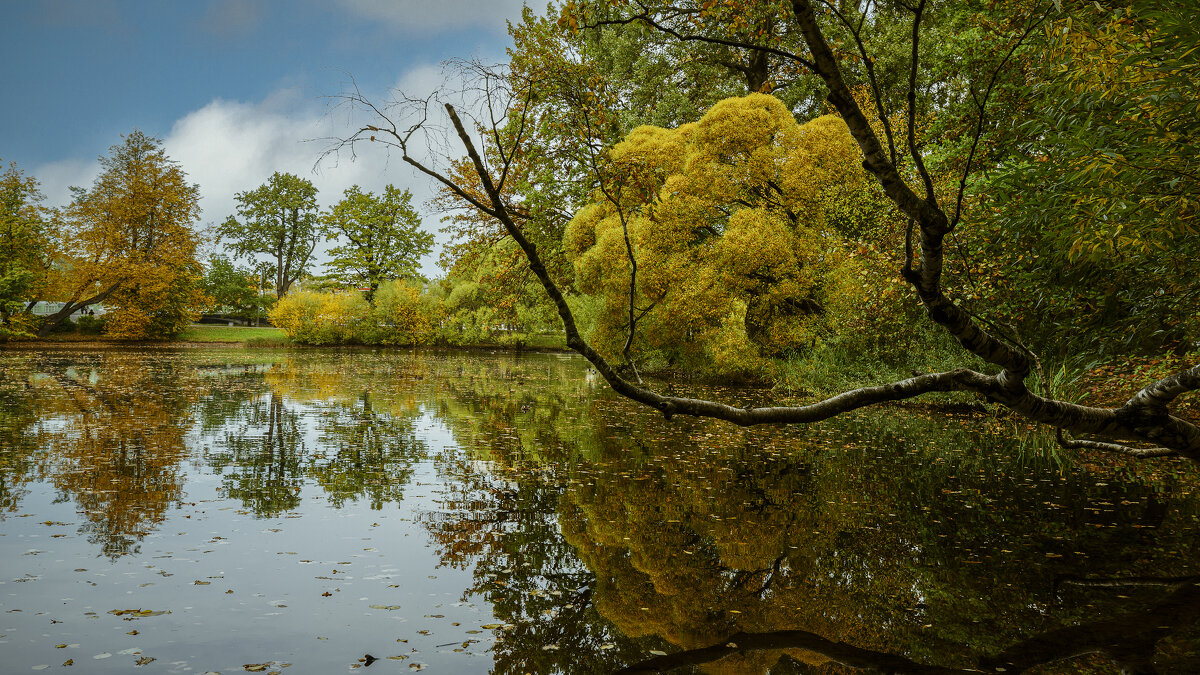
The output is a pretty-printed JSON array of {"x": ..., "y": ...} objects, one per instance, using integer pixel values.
[{"x": 382, "y": 238}]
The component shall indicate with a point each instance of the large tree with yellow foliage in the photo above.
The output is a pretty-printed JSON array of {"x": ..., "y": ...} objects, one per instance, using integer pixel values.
[
  {"x": 129, "y": 242},
  {"x": 732, "y": 231}
]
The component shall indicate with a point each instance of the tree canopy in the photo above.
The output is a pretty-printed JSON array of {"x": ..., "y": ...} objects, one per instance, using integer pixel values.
[
  {"x": 735, "y": 223},
  {"x": 129, "y": 241},
  {"x": 383, "y": 239},
  {"x": 26, "y": 242},
  {"x": 278, "y": 220},
  {"x": 932, "y": 96}
]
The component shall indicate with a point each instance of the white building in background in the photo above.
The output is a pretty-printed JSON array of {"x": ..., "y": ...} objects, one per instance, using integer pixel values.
[{"x": 48, "y": 308}]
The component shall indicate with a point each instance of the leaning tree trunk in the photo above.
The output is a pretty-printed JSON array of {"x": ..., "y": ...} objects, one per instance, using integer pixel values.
[{"x": 73, "y": 306}]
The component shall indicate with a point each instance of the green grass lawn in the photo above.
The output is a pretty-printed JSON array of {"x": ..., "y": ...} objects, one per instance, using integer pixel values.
[
  {"x": 548, "y": 341},
  {"x": 230, "y": 334}
]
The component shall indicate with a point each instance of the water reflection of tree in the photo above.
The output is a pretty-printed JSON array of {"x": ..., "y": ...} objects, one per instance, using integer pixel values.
[
  {"x": 21, "y": 450},
  {"x": 873, "y": 530},
  {"x": 365, "y": 453},
  {"x": 925, "y": 558},
  {"x": 521, "y": 415},
  {"x": 316, "y": 419},
  {"x": 261, "y": 456},
  {"x": 1128, "y": 640},
  {"x": 117, "y": 442}
]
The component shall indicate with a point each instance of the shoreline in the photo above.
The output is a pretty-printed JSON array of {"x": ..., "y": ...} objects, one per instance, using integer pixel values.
[{"x": 35, "y": 345}]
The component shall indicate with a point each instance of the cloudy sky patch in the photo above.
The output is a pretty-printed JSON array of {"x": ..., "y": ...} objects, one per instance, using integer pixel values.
[{"x": 237, "y": 89}]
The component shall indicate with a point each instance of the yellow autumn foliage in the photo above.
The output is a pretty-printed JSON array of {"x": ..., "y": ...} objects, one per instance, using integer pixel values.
[
  {"x": 130, "y": 241},
  {"x": 397, "y": 316},
  {"x": 737, "y": 223}
]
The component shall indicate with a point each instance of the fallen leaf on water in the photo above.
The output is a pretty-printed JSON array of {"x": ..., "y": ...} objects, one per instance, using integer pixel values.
[
  {"x": 69, "y": 662},
  {"x": 136, "y": 613},
  {"x": 326, "y": 594},
  {"x": 256, "y": 667},
  {"x": 385, "y": 606},
  {"x": 144, "y": 660}
]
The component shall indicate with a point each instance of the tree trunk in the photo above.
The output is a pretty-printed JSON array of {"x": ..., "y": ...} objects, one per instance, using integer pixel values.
[{"x": 73, "y": 306}]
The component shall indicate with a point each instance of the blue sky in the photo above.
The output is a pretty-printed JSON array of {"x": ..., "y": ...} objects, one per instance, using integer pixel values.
[{"x": 234, "y": 87}]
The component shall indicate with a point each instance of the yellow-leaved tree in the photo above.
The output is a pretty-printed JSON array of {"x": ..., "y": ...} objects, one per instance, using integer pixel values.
[
  {"x": 129, "y": 243},
  {"x": 735, "y": 224}
]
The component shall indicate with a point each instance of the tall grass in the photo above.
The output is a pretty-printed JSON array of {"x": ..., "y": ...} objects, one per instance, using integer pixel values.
[{"x": 838, "y": 366}]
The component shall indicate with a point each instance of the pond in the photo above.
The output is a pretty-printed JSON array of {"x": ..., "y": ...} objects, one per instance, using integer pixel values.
[{"x": 211, "y": 510}]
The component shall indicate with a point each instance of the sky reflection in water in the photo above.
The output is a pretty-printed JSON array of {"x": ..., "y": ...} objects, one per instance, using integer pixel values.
[{"x": 221, "y": 510}]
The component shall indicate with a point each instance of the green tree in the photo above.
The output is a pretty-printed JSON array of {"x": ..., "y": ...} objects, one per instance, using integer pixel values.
[
  {"x": 279, "y": 221},
  {"x": 383, "y": 239},
  {"x": 1096, "y": 205},
  {"x": 129, "y": 242},
  {"x": 235, "y": 291},
  {"x": 26, "y": 245}
]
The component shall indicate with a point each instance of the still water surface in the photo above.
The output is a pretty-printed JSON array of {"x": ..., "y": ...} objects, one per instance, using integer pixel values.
[{"x": 319, "y": 512}]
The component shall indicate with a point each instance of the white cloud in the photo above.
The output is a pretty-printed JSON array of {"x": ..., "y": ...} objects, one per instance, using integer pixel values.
[
  {"x": 57, "y": 178},
  {"x": 412, "y": 16},
  {"x": 228, "y": 147}
]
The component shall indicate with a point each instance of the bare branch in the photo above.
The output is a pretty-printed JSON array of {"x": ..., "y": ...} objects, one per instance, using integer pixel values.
[
  {"x": 981, "y": 104},
  {"x": 918, "y": 160},
  {"x": 645, "y": 18},
  {"x": 1072, "y": 444}
]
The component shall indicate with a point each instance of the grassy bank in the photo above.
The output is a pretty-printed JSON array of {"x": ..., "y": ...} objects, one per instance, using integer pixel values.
[{"x": 248, "y": 335}]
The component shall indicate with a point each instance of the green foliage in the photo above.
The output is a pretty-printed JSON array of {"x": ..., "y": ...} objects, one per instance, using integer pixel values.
[
  {"x": 91, "y": 325},
  {"x": 235, "y": 291},
  {"x": 1089, "y": 227},
  {"x": 397, "y": 316},
  {"x": 494, "y": 300},
  {"x": 382, "y": 237},
  {"x": 279, "y": 221},
  {"x": 26, "y": 245}
]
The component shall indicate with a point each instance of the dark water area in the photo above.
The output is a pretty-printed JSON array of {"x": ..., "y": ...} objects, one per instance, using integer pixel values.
[{"x": 239, "y": 511}]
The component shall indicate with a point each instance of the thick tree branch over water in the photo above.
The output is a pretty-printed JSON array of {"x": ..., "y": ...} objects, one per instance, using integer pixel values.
[{"x": 1144, "y": 419}]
